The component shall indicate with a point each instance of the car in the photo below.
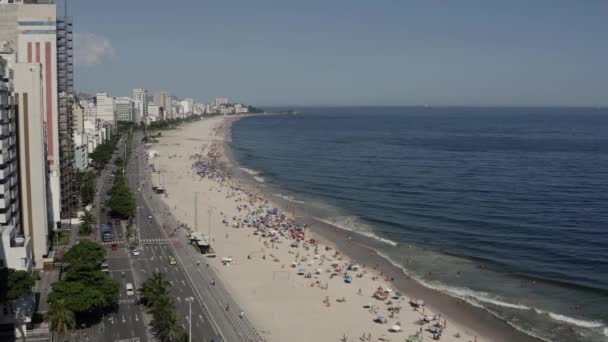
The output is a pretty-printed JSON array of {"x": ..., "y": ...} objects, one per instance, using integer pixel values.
[
  {"x": 138, "y": 189},
  {"x": 150, "y": 217},
  {"x": 172, "y": 261},
  {"x": 135, "y": 252},
  {"x": 129, "y": 288}
]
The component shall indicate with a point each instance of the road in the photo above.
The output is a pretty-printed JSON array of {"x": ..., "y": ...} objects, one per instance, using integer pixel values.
[
  {"x": 156, "y": 250},
  {"x": 191, "y": 282},
  {"x": 127, "y": 323}
]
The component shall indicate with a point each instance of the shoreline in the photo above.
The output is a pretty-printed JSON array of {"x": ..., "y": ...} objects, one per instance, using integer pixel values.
[
  {"x": 258, "y": 295},
  {"x": 360, "y": 247}
]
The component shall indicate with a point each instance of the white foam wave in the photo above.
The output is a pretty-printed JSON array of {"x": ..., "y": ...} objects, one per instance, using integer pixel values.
[
  {"x": 477, "y": 298},
  {"x": 574, "y": 321},
  {"x": 258, "y": 179},
  {"x": 288, "y": 198},
  {"x": 348, "y": 223},
  {"x": 250, "y": 171}
]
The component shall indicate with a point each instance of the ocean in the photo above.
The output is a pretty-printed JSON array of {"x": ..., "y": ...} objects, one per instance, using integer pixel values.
[{"x": 505, "y": 208}]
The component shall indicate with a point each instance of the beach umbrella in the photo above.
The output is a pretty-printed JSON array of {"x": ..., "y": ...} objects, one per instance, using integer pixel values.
[
  {"x": 395, "y": 328},
  {"x": 348, "y": 279},
  {"x": 428, "y": 318},
  {"x": 413, "y": 338},
  {"x": 380, "y": 319},
  {"x": 420, "y": 302}
]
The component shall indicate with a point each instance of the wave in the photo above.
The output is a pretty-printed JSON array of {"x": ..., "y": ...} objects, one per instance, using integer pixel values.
[
  {"x": 348, "y": 223},
  {"x": 578, "y": 322},
  {"x": 477, "y": 299},
  {"x": 250, "y": 171},
  {"x": 288, "y": 198}
]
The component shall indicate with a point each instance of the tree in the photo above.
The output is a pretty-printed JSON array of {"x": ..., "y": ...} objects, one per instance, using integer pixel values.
[
  {"x": 157, "y": 299},
  {"x": 87, "y": 187},
  {"x": 153, "y": 288},
  {"x": 122, "y": 201},
  {"x": 61, "y": 318},
  {"x": 78, "y": 297},
  {"x": 15, "y": 284},
  {"x": 85, "y": 252},
  {"x": 86, "y": 222}
]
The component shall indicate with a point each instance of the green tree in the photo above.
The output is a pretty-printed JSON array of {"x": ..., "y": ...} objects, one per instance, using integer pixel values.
[
  {"x": 14, "y": 284},
  {"x": 60, "y": 318},
  {"x": 122, "y": 201},
  {"x": 86, "y": 222},
  {"x": 85, "y": 252},
  {"x": 87, "y": 187},
  {"x": 157, "y": 299},
  {"x": 153, "y": 288}
]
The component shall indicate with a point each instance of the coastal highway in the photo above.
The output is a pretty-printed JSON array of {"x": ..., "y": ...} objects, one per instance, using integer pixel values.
[
  {"x": 127, "y": 323},
  {"x": 190, "y": 277},
  {"x": 157, "y": 247}
]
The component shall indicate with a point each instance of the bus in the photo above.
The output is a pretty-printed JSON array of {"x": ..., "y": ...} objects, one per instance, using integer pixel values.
[{"x": 106, "y": 232}]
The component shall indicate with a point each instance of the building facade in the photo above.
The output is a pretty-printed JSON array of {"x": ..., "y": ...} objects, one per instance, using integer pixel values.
[
  {"x": 15, "y": 247},
  {"x": 163, "y": 100},
  {"x": 105, "y": 108},
  {"x": 140, "y": 97},
  {"x": 36, "y": 218},
  {"x": 124, "y": 109}
]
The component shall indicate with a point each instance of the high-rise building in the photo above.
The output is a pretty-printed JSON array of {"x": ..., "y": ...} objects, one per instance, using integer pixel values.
[
  {"x": 140, "y": 97},
  {"x": 105, "y": 108},
  {"x": 124, "y": 109},
  {"x": 15, "y": 247},
  {"x": 65, "y": 91},
  {"x": 29, "y": 30},
  {"x": 163, "y": 100},
  {"x": 36, "y": 218},
  {"x": 220, "y": 101}
]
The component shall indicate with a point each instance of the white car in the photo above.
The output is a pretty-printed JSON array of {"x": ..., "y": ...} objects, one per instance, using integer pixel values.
[
  {"x": 129, "y": 288},
  {"x": 136, "y": 252},
  {"x": 150, "y": 217}
]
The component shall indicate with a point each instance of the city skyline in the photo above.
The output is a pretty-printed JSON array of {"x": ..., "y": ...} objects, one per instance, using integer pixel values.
[{"x": 341, "y": 53}]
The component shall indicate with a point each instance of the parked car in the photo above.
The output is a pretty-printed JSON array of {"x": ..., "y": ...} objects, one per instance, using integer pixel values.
[
  {"x": 136, "y": 252},
  {"x": 129, "y": 288}
]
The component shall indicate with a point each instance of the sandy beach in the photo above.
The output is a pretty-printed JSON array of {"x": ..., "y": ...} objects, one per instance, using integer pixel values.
[{"x": 292, "y": 288}]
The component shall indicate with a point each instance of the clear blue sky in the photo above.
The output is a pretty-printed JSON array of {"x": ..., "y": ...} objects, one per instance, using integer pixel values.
[{"x": 361, "y": 52}]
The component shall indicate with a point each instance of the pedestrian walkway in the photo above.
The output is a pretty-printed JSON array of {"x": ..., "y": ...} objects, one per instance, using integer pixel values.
[{"x": 43, "y": 286}]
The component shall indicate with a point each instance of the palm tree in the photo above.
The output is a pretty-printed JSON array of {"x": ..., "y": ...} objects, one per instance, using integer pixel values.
[
  {"x": 86, "y": 222},
  {"x": 61, "y": 318},
  {"x": 153, "y": 288}
]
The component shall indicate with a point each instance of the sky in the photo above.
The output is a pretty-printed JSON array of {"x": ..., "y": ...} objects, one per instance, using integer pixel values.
[{"x": 355, "y": 52}]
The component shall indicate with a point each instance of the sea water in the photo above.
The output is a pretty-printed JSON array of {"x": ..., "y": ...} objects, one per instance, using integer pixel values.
[{"x": 505, "y": 208}]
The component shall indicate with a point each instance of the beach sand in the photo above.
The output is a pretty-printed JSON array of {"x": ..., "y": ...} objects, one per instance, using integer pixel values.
[{"x": 281, "y": 304}]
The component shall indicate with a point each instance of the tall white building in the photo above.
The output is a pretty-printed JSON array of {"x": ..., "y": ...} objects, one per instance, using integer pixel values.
[
  {"x": 140, "y": 98},
  {"x": 105, "y": 108},
  {"x": 220, "y": 101},
  {"x": 124, "y": 109},
  {"x": 30, "y": 31},
  {"x": 154, "y": 113},
  {"x": 37, "y": 220},
  {"x": 163, "y": 100}
]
